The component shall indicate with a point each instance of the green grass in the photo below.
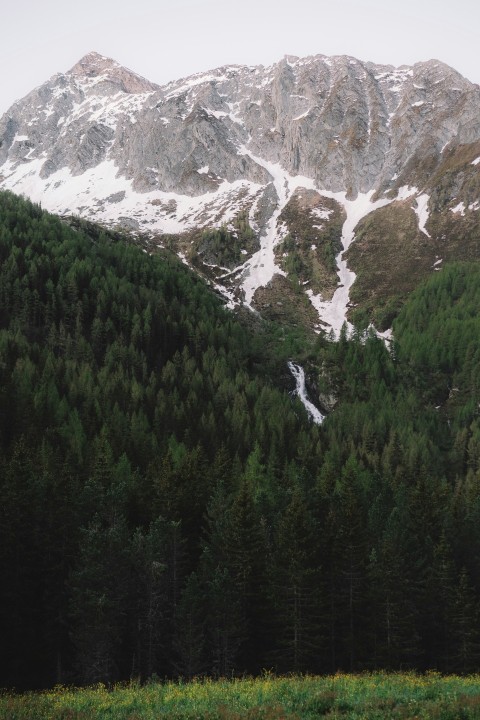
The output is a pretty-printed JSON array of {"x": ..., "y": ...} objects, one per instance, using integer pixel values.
[{"x": 377, "y": 696}]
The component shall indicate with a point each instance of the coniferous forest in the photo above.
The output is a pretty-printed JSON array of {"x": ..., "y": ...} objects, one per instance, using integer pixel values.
[{"x": 168, "y": 509}]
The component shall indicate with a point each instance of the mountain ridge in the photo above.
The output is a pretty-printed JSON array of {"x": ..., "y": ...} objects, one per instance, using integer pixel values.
[
  {"x": 95, "y": 65},
  {"x": 241, "y": 142}
]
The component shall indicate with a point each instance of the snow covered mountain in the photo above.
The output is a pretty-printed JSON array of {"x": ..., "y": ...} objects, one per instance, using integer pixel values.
[{"x": 286, "y": 161}]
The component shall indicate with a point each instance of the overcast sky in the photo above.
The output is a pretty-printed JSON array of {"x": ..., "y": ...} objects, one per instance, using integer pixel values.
[{"x": 167, "y": 39}]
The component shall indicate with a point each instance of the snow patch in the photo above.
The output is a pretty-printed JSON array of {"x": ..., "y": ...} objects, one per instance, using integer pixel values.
[
  {"x": 476, "y": 161},
  {"x": 259, "y": 270},
  {"x": 155, "y": 212},
  {"x": 299, "y": 117},
  {"x": 321, "y": 213},
  {"x": 227, "y": 294},
  {"x": 334, "y": 312},
  {"x": 386, "y": 335},
  {"x": 182, "y": 86},
  {"x": 219, "y": 114},
  {"x": 405, "y": 192},
  {"x": 422, "y": 213},
  {"x": 459, "y": 209},
  {"x": 233, "y": 114},
  {"x": 420, "y": 208}
]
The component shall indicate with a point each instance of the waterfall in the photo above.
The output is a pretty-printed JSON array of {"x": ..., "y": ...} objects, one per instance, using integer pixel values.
[{"x": 299, "y": 375}]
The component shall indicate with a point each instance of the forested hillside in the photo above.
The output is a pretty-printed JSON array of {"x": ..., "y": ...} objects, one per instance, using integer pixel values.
[{"x": 166, "y": 507}]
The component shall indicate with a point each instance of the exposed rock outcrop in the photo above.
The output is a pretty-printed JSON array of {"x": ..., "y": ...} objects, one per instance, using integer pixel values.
[{"x": 103, "y": 142}]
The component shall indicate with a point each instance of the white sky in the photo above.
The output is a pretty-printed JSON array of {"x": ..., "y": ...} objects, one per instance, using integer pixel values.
[{"x": 168, "y": 39}]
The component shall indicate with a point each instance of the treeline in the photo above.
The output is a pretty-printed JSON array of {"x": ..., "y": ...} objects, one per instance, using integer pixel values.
[{"x": 167, "y": 511}]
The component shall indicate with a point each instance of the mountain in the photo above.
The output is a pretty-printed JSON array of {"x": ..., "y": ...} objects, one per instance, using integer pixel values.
[{"x": 261, "y": 177}]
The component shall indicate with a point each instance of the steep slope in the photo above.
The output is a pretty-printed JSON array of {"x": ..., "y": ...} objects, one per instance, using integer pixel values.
[{"x": 242, "y": 142}]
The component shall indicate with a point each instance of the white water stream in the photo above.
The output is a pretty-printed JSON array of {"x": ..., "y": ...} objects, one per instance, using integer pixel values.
[{"x": 299, "y": 375}]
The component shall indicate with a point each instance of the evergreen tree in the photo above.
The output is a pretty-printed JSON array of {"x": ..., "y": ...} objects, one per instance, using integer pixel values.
[
  {"x": 98, "y": 599},
  {"x": 465, "y": 632},
  {"x": 349, "y": 567},
  {"x": 395, "y": 617},
  {"x": 190, "y": 639},
  {"x": 296, "y": 588}
]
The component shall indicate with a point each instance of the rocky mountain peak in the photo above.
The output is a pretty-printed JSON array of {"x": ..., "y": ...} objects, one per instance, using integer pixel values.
[
  {"x": 288, "y": 157},
  {"x": 93, "y": 64},
  {"x": 95, "y": 68}
]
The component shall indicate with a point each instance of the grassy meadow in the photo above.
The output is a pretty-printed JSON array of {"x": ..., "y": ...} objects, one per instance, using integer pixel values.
[{"x": 378, "y": 696}]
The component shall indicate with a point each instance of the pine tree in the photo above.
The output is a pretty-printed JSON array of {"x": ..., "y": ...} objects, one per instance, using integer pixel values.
[
  {"x": 21, "y": 564},
  {"x": 98, "y": 599},
  {"x": 245, "y": 545},
  {"x": 395, "y": 616},
  {"x": 190, "y": 639},
  {"x": 233, "y": 562},
  {"x": 295, "y": 584},
  {"x": 149, "y": 598},
  {"x": 440, "y": 599},
  {"x": 465, "y": 632},
  {"x": 226, "y": 622},
  {"x": 348, "y": 567}
]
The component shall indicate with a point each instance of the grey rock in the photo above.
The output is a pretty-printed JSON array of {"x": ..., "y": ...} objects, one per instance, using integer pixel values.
[
  {"x": 116, "y": 197},
  {"x": 102, "y": 141},
  {"x": 349, "y": 125},
  {"x": 128, "y": 224}
]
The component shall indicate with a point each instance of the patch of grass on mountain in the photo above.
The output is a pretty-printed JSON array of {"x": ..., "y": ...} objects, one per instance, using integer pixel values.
[
  {"x": 227, "y": 246},
  {"x": 211, "y": 249},
  {"x": 283, "y": 302},
  {"x": 455, "y": 160},
  {"x": 308, "y": 251},
  {"x": 458, "y": 235},
  {"x": 390, "y": 256},
  {"x": 456, "y": 179},
  {"x": 459, "y": 231}
]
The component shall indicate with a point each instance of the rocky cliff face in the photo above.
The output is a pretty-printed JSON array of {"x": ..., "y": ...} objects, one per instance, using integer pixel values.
[{"x": 237, "y": 146}]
